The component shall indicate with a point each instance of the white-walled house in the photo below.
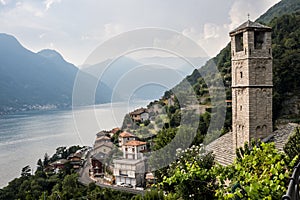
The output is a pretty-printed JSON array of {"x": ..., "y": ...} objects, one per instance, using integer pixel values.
[
  {"x": 125, "y": 137},
  {"x": 139, "y": 115},
  {"x": 131, "y": 169},
  {"x": 133, "y": 149}
]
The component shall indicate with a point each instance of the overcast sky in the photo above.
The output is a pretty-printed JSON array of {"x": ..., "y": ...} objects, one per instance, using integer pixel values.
[{"x": 76, "y": 27}]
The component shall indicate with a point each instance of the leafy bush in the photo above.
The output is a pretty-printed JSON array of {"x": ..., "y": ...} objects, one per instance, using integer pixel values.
[
  {"x": 259, "y": 173},
  {"x": 292, "y": 147},
  {"x": 190, "y": 176}
]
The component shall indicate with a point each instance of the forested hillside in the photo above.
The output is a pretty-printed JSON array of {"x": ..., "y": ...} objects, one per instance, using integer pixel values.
[{"x": 286, "y": 67}]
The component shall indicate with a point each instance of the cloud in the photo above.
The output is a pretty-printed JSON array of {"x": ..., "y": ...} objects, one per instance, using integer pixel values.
[
  {"x": 111, "y": 30},
  {"x": 77, "y": 27},
  {"x": 49, "y": 3},
  {"x": 241, "y": 8},
  {"x": 211, "y": 31}
]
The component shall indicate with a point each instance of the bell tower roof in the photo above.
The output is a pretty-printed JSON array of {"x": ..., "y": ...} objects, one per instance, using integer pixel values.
[{"x": 249, "y": 25}]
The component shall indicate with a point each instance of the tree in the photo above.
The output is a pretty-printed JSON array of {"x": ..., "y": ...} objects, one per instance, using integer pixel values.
[
  {"x": 26, "y": 171},
  {"x": 70, "y": 186},
  {"x": 40, "y": 165},
  {"x": 46, "y": 160}
]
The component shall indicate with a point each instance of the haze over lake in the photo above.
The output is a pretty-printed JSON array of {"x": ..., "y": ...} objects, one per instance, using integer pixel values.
[{"x": 26, "y": 137}]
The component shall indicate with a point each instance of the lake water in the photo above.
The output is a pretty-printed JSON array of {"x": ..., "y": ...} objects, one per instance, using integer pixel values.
[{"x": 26, "y": 137}]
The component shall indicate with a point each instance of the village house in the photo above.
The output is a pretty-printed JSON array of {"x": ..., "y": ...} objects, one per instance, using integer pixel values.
[
  {"x": 131, "y": 169},
  {"x": 125, "y": 137},
  {"x": 139, "y": 115},
  {"x": 108, "y": 133},
  {"x": 58, "y": 165},
  {"x": 150, "y": 179},
  {"x": 101, "y": 149},
  {"x": 102, "y": 139},
  {"x": 133, "y": 149},
  {"x": 102, "y": 143},
  {"x": 98, "y": 164},
  {"x": 102, "y": 133},
  {"x": 76, "y": 159},
  {"x": 104, "y": 147}
]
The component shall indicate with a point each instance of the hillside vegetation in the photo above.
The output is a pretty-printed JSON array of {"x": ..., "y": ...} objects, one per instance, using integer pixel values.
[{"x": 286, "y": 68}]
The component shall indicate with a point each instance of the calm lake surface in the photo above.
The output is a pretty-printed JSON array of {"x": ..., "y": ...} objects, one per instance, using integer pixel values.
[{"x": 26, "y": 137}]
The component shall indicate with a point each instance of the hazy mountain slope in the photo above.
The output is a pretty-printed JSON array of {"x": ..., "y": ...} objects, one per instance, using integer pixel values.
[
  {"x": 27, "y": 78},
  {"x": 145, "y": 78}
]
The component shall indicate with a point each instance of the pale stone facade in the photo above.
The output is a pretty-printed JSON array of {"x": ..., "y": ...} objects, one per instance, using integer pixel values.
[{"x": 251, "y": 83}]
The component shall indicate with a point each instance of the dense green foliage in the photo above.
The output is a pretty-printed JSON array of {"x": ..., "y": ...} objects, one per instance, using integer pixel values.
[
  {"x": 282, "y": 8},
  {"x": 292, "y": 147},
  {"x": 286, "y": 54},
  {"x": 258, "y": 173},
  {"x": 190, "y": 176}
]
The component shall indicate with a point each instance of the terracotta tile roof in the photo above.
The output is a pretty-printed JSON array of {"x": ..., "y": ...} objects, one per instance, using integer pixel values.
[
  {"x": 138, "y": 111},
  {"x": 126, "y": 134},
  {"x": 135, "y": 143},
  {"x": 114, "y": 130}
]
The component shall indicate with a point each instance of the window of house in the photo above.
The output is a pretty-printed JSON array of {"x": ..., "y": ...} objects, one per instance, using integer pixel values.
[
  {"x": 259, "y": 38},
  {"x": 241, "y": 108},
  {"x": 241, "y": 73},
  {"x": 239, "y": 45}
]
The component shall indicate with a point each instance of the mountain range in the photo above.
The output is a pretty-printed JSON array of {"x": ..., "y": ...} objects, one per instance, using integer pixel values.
[
  {"x": 31, "y": 80},
  {"x": 45, "y": 80}
]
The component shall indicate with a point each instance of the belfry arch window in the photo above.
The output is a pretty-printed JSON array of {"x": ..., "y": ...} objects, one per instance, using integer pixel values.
[
  {"x": 259, "y": 39},
  {"x": 239, "y": 44}
]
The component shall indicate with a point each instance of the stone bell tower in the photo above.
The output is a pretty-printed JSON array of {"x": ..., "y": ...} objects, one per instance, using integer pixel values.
[{"x": 251, "y": 82}]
